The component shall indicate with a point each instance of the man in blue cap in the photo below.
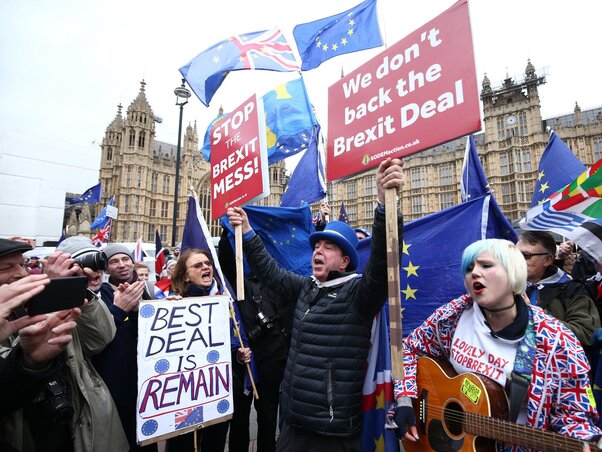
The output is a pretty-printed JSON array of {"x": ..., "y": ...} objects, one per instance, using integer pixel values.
[{"x": 334, "y": 308}]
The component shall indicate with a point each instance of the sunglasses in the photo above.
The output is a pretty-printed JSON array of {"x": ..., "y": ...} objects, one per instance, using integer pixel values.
[
  {"x": 528, "y": 256},
  {"x": 200, "y": 264}
]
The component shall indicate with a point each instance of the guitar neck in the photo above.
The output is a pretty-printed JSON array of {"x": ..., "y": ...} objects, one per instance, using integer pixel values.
[{"x": 508, "y": 432}]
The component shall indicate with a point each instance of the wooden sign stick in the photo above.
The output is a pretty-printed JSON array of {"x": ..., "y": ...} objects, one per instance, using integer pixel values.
[
  {"x": 240, "y": 293},
  {"x": 394, "y": 289}
]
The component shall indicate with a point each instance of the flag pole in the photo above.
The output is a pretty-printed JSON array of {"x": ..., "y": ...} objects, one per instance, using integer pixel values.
[
  {"x": 240, "y": 294},
  {"x": 394, "y": 288},
  {"x": 240, "y": 272}
]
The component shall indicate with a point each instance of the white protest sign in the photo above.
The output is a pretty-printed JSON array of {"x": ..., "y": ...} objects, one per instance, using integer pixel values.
[{"x": 184, "y": 366}]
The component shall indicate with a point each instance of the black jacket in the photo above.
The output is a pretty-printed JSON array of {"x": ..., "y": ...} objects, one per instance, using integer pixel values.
[{"x": 324, "y": 376}]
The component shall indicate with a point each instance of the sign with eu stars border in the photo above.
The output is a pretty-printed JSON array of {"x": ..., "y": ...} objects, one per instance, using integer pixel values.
[{"x": 184, "y": 366}]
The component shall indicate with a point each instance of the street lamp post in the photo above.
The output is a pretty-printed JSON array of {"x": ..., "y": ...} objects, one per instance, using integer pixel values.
[{"x": 182, "y": 95}]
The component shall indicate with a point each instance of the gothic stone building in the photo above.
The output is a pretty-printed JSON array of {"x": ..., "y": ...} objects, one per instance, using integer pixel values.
[{"x": 140, "y": 172}]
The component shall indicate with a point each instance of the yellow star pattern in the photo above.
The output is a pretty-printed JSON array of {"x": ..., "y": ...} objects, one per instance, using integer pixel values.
[
  {"x": 344, "y": 41},
  {"x": 350, "y": 32},
  {"x": 411, "y": 269},
  {"x": 282, "y": 93},
  {"x": 325, "y": 47},
  {"x": 379, "y": 444},
  {"x": 380, "y": 399},
  {"x": 543, "y": 187},
  {"x": 409, "y": 292},
  {"x": 540, "y": 175},
  {"x": 405, "y": 248},
  {"x": 216, "y": 59},
  {"x": 352, "y": 22},
  {"x": 334, "y": 47}
]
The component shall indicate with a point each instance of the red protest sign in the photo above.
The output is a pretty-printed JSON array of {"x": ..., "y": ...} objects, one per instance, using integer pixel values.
[
  {"x": 417, "y": 94},
  {"x": 239, "y": 162}
]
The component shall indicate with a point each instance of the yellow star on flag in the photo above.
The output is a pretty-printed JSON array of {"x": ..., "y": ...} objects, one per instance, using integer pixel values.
[
  {"x": 380, "y": 399},
  {"x": 411, "y": 269},
  {"x": 540, "y": 175},
  {"x": 543, "y": 187},
  {"x": 409, "y": 292},
  {"x": 405, "y": 247},
  {"x": 344, "y": 41},
  {"x": 379, "y": 444}
]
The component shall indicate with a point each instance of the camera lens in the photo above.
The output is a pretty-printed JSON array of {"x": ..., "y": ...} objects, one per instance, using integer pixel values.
[{"x": 93, "y": 261}]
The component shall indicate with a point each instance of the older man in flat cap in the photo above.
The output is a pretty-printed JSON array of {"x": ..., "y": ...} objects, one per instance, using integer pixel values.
[{"x": 74, "y": 411}]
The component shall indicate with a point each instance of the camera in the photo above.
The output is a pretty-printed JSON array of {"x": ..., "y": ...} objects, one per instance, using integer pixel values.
[
  {"x": 263, "y": 324},
  {"x": 93, "y": 261},
  {"x": 53, "y": 402}
]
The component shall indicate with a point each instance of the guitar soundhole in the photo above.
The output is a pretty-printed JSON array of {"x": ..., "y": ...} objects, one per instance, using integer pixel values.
[{"x": 454, "y": 418}]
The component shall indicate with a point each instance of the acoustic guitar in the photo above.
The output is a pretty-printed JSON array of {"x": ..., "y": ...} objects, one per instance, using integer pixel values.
[{"x": 469, "y": 412}]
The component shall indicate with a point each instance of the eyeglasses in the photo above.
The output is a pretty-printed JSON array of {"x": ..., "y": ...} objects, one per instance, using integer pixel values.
[
  {"x": 528, "y": 256},
  {"x": 200, "y": 264}
]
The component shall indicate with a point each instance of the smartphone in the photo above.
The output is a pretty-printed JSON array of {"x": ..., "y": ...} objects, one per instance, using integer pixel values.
[{"x": 61, "y": 293}]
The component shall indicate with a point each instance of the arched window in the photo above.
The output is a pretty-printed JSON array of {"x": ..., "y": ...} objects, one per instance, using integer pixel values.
[
  {"x": 128, "y": 176},
  {"x": 132, "y": 137},
  {"x": 141, "y": 138},
  {"x": 155, "y": 183},
  {"x": 139, "y": 178},
  {"x": 109, "y": 153}
]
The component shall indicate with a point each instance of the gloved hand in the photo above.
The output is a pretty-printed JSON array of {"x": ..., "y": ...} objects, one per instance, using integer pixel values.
[
  {"x": 400, "y": 415},
  {"x": 596, "y": 340}
]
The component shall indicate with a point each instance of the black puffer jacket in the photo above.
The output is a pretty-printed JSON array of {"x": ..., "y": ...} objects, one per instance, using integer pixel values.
[{"x": 323, "y": 380}]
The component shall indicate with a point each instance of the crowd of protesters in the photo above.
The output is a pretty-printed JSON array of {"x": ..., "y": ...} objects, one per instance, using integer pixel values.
[{"x": 69, "y": 378}]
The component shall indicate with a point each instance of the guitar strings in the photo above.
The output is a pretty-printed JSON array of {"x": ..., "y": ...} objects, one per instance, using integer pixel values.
[{"x": 548, "y": 438}]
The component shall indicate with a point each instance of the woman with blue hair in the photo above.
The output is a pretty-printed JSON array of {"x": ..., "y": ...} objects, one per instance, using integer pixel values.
[{"x": 493, "y": 331}]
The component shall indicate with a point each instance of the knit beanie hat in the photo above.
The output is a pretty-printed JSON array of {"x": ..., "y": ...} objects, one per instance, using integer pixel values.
[
  {"x": 77, "y": 246},
  {"x": 116, "y": 248}
]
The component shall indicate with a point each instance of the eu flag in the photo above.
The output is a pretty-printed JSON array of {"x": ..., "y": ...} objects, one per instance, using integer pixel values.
[
  {"x": 101, "y": 220},
  {"x": 284, "y": 232},
  {"x": 92, "y": 194},
  {"x": 266, "y": 50},
  {"x": 306, "y": 184},
  {"x": 350, "y": 31},
  {"x": 474, "y": 182},
  {"x": 289, "y": 121},
  {"x": 558, "y": 167},
  {"x": 432, "y": 252},
  {"x": 343, "y": 214}
]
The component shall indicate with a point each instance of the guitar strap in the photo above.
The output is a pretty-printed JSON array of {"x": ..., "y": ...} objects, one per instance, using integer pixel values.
[{"x": 520, "y": 377}]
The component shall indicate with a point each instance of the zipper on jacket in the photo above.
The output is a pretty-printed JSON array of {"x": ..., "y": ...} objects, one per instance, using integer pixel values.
[
  {"x": 329, "y": 392},
  {"x": 304, "y": 314}
]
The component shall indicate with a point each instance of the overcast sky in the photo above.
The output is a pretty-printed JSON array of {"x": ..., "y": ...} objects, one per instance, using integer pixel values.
[{"x": 67, "y": 64}]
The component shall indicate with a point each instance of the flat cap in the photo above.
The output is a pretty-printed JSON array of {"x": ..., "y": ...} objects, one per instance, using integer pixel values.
[{"x": 13, "y": 246}]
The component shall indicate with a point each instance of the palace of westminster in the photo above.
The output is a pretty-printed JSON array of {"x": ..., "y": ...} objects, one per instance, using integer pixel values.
[{"x": 140, "y": 171}]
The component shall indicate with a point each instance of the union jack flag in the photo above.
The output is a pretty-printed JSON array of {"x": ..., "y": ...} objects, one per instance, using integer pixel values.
[
  {"x": 267, "y": 50},
  {"x": 188, "y": 417},
  {"x": 102, "y": 236}
]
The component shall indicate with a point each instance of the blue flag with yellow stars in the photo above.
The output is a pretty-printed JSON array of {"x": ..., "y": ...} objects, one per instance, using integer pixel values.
[
  {"x": 101, "y": 220},
  {"x": 558, "y": 167},
  {"x": 350, "y": 31},
  {"x": 92, "y": 194},
  {"x": 343, "y": 214},
  {"x": 284, "y": 232},
  {"x": 474, "y": 182},
  {"x": 307, "y": 183},
  {"x": 289, "y": 122},
  {"x": 267, "y": 50},
  {"x": 432, "y": 252}
]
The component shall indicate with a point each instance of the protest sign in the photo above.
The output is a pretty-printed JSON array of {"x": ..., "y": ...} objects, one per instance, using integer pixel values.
[
  {"x": 420, "y": 92},
  {"x": 239, "y": 163},
  {"x": 184, "y": 366}
]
